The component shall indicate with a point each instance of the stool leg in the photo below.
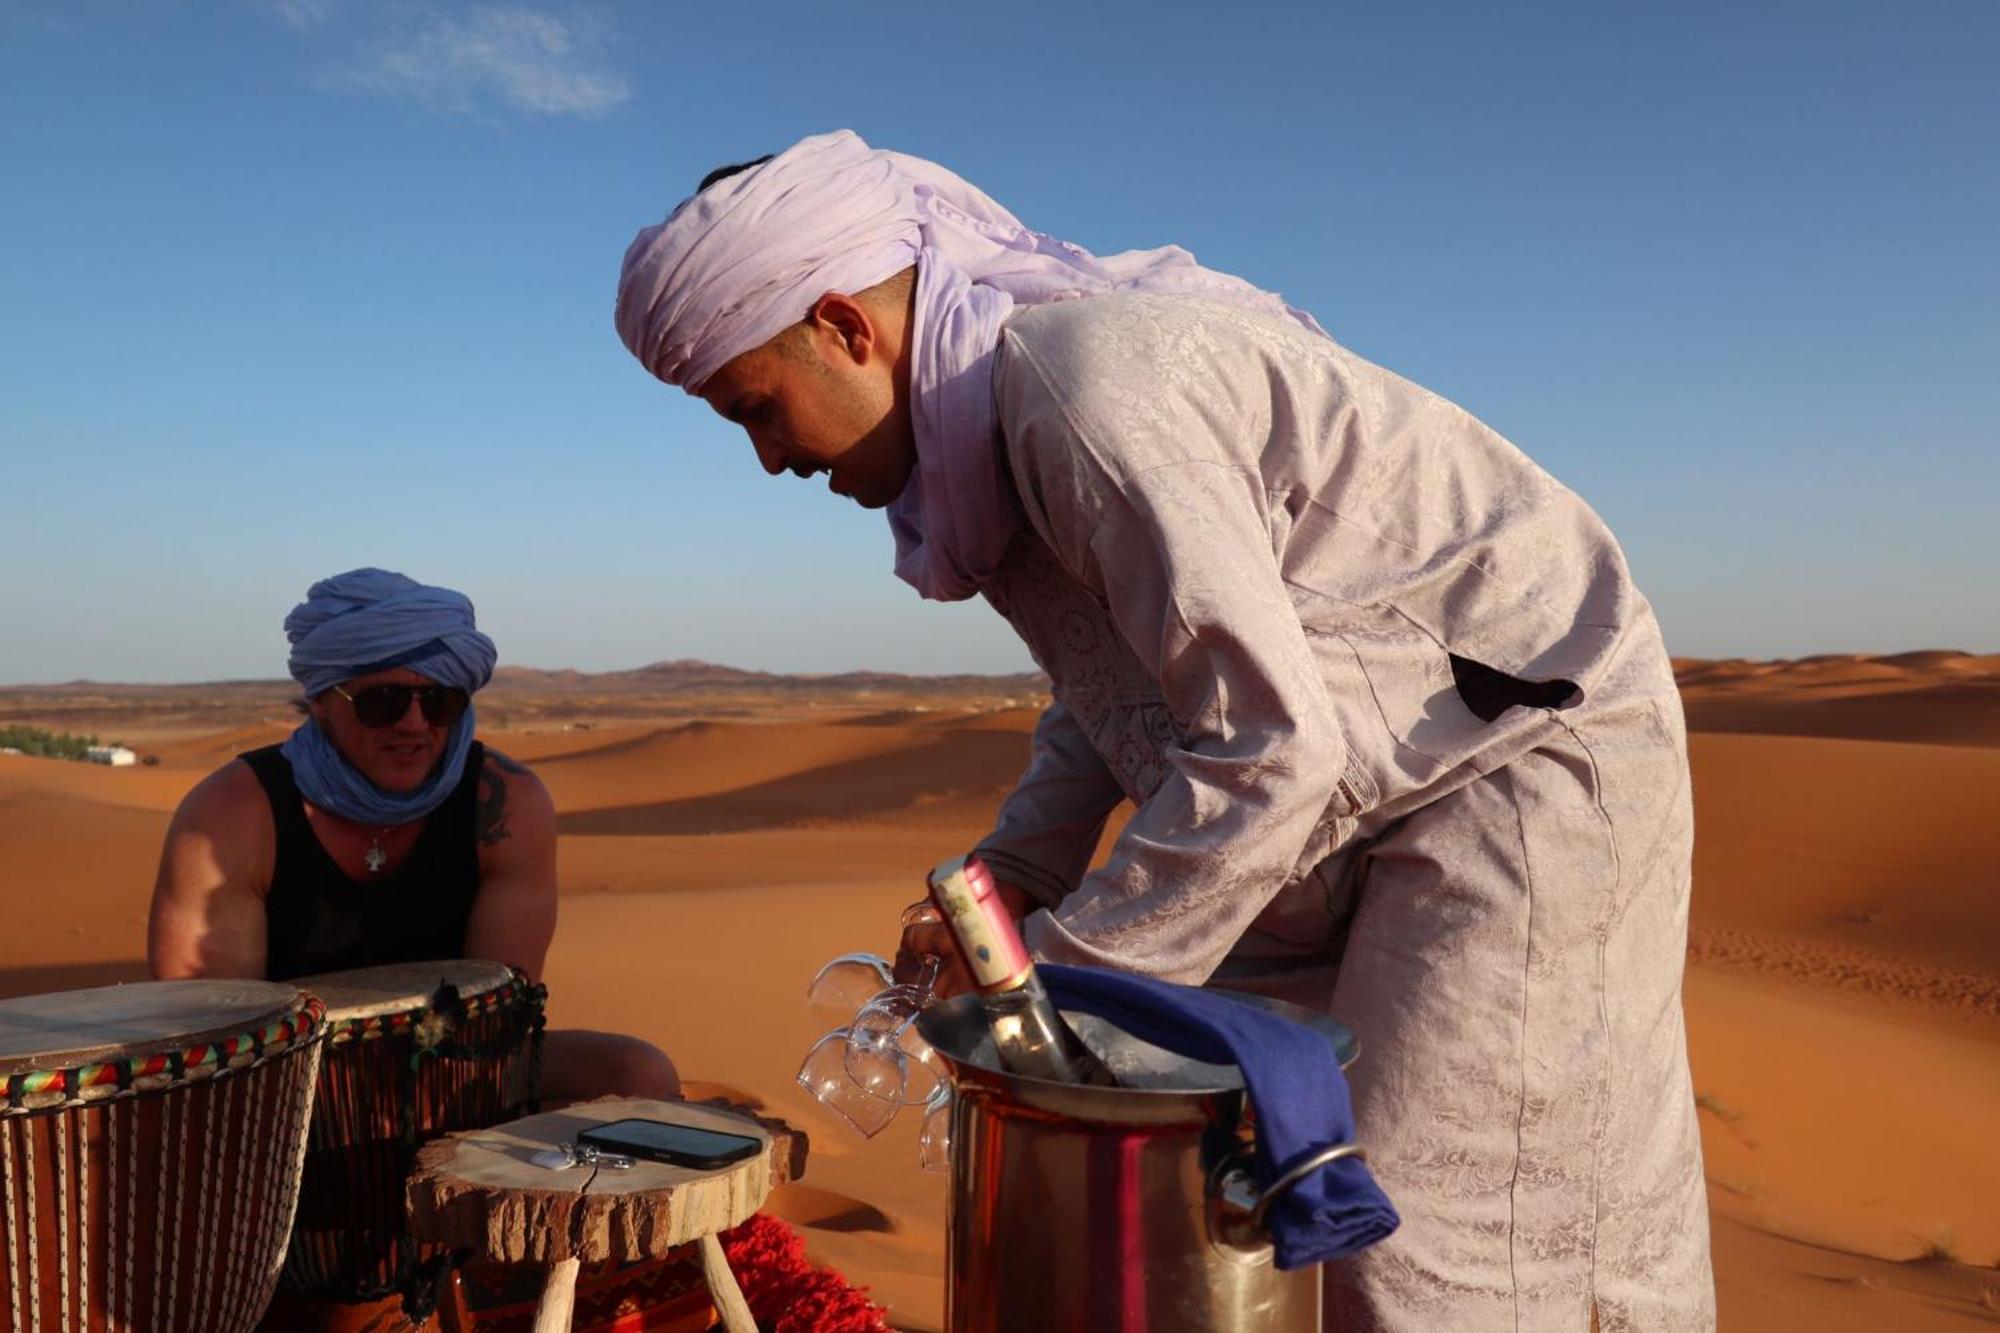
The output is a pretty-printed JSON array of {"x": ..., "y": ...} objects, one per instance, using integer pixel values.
[
  {"x": 729, "y": 1302},
  {"x": 454, "y": 1315},
  {"x": 558, "y": 1298}
]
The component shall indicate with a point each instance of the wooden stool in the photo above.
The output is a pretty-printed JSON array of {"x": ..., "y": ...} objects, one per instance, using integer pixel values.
[{"x": 479, "y": 1192}]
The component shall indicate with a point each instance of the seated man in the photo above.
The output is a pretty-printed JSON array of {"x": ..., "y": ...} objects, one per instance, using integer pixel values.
[{"x": 381, "y": 831}]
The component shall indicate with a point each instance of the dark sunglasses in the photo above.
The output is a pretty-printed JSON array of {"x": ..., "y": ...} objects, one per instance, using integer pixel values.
[{"x": 386, "y": 705}]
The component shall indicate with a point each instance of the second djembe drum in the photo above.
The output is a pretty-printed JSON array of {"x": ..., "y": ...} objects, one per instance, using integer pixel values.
[
  {"x": 414, "y": 1050},
  {"x": 150, "y": 1143}
]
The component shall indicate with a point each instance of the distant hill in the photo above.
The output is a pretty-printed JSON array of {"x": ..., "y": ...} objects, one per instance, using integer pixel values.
[
  {"x": 517, "y": 696},
  {"x": 1933, "y": 696},
  {"x": 687, "y": 675}
]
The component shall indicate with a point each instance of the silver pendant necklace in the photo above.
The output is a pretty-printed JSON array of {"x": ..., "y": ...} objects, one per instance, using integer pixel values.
[{"x": 375, "y": 858}]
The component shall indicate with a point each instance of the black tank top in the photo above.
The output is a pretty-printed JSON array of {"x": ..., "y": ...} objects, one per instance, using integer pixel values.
[{"x": 319, "y": 920}]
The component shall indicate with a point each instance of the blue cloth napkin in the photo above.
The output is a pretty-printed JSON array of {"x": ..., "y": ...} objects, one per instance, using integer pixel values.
[{"x": 1294, "y": 1081}]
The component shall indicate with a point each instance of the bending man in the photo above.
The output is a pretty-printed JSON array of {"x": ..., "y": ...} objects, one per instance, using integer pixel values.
[{"x": 1401, "y": 732}]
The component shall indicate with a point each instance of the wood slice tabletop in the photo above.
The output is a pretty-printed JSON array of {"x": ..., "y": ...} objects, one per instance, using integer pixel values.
[{"x": 479, "y": 1191}]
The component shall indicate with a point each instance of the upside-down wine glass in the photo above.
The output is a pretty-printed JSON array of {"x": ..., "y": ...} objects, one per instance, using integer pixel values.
[
  {"x": 824, "y": 1075},
  {"x": 876, "y": 1062}
]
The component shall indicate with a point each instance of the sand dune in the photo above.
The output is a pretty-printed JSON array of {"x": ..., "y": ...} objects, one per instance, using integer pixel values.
[
  {"x": 1843, "y": 994},
  {"x": 1872, "y": 845},
  {"x": 1942, "y": 698},
  {"x": 915, "y": 776}
]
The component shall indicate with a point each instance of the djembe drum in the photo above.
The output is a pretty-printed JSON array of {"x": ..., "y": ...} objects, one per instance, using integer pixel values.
[
  {"x": 150, "y": 1145},
  {"x": 414, "y": 1050}
]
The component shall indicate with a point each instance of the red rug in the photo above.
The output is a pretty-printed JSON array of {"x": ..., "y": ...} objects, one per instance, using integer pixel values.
[{"x": 786, "y": 1293}]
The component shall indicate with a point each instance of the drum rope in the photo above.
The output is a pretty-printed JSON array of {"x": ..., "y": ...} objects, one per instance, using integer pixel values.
[
  {"x": 15, "y": 1282},
  {"x": 295, "y": 1128},
  {"x": 83, "y": 1219},
  {"x": 180, "y": 1208},
  {"x": 259, "y": 1188},
  {"x": 123, "y": 1239},
  {"x": 239, "y": 1273},
  {"x": 160, "y": 1214},
  {"x": 61, "y": 1180},
  {"x": 228, "y": 1296},
  {"x": 63, "y": 1215},
  {"x": 34, "y": 1257},
  {"x": 221, "y": 1265},
  {"x": 205, "y": 1209}
]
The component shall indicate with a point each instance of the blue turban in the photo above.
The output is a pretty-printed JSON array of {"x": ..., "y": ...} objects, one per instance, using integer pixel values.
[{"x": 370, "y": 620}]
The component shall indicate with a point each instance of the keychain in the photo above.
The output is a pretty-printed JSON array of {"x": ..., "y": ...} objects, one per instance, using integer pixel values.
[{"x": 566, "y": 1155}]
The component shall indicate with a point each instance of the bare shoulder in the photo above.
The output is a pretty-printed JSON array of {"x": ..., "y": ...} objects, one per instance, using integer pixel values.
[
  {"x": 229, "y": 800},
  {"x": 207, "y": 917},
  {"x": 222, "y": 838},
  {"x": 513, "y": 804}
]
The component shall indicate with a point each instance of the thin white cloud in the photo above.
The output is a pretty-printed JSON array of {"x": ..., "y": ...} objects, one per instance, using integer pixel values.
[
  {"x": 299, "y": 14},
  {"x": 526, "y": 59}
]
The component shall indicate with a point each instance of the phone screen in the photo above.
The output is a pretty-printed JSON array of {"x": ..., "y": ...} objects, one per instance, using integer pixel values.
[{"x": 651, "y": 1138}]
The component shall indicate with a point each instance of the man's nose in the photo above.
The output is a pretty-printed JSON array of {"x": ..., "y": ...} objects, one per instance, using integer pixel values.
[
  {"x": 413, "y": 718},
  {"x": 769, "y": 455}
]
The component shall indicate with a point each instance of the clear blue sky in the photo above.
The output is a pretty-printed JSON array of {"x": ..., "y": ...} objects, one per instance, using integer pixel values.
[{"x": 293, "y": 286}]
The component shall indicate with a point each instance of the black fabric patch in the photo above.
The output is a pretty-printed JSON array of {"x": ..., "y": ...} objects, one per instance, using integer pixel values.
[{"x": 1489, "y": 693}]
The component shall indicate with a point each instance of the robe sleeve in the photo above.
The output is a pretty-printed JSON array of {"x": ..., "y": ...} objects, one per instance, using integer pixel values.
[
  {"x": 1180, "y": 552},
  {"x": 1050, "y": 824}
]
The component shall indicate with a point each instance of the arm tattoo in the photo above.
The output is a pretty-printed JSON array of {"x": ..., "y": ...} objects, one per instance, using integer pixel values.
[{"x": 491, "y": 817}]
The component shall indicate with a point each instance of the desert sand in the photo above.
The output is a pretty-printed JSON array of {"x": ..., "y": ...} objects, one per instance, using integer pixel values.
[{"x": 720, "y": 841}]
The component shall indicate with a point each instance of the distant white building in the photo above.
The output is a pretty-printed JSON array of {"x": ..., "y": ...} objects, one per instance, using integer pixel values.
[{"x": 115, "y": 755}]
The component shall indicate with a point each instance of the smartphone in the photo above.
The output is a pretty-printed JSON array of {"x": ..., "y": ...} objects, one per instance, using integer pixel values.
[{"x": 676, "y": 1145}]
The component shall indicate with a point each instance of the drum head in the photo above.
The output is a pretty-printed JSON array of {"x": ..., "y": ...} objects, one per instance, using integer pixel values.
[
  {"x": 79, "y": 1027},
  {"x": 399, "y": 988}
]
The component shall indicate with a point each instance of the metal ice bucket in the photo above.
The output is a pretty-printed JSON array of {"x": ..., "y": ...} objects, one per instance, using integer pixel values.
[{"x": 1112, "y": 1210}]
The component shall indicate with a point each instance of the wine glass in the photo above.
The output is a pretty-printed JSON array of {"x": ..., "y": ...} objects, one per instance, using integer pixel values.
[
  {"x": 934, "y": 1144},
  {"x": 885, "y": 1052},
  {"x": 847, "y": 983},
  {"x": 876, "y": 1062},
  {"x": 824, "y": 1075}
]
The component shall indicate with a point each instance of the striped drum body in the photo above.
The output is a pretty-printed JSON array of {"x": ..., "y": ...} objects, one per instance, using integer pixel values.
[
  {"x": 413, "y": 1051},
  {"x": 151, "y": 1139}
]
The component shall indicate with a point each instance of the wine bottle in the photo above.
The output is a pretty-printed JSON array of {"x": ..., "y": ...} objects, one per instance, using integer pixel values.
[{"x": 1031, "y": 1036}]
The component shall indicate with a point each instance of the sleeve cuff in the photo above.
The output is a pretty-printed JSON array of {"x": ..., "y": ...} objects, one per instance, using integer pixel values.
[{"x": 1044, "y": 887}]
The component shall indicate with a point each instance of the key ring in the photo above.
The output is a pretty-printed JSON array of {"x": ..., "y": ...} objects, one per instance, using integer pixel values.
[{"x": 563, "y": 1156}]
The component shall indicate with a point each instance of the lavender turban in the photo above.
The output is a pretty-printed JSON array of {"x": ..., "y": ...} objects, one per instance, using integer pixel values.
[
  {"x": 369, "y": 620},
  {"x": 737, "y": 263}
]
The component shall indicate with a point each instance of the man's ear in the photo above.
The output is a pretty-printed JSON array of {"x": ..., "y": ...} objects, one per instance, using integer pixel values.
[{"x": 849, "y": 321}]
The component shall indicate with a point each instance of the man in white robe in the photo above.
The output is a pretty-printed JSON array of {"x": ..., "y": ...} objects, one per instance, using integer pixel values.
[{"x": 1400, "y": 731}]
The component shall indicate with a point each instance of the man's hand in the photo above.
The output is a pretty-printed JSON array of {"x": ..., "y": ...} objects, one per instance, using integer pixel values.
[{"x": 929, "y": 937}]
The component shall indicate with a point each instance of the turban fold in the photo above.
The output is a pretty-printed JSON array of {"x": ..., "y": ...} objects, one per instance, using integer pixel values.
[
  {"x": 370, "y": 620},
  {"x": 737, "y": 263}
]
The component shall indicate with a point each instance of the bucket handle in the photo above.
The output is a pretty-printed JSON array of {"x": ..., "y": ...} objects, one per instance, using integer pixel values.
[
  {"x": 1324, "y": 1157},
  {"x": 1235, "y": 1210}
]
